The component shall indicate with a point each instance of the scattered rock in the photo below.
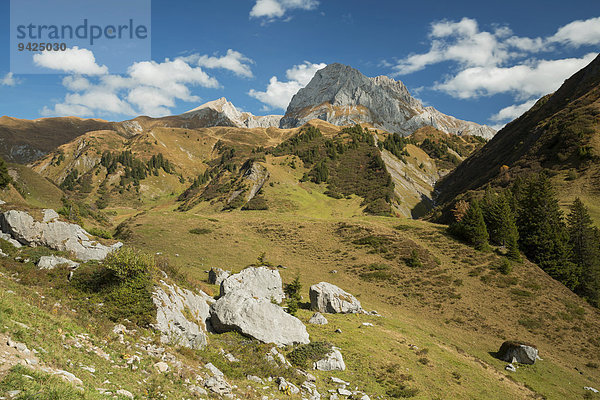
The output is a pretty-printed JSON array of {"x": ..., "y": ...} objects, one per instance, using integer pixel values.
[
  {"x": 339, "y": 381},
  {"x": 217, "y": 275},
  {"x": 161, "y": 366},
  {"x": 344, "y": 392},
  {"x": 260, "y": 282},
  {"x": 171, "y": 304},
  {"x": 256, "y": 379},
  {"x": 67, "y": 377},
  {"x": 318, "y": 319},
  {"x": 287, "y": 387},
  {"x": 367, "y": 324},
  {"x": 51, "y": 262},
  {"x": 218, "y": 385},
  {"x": 309, "y": 377},
  {"x": 119, "y": 329},
  {"x": 13, "y": 393},
  {"x": 10, "y": 240},
  {"x": 328, "y": 298},
  {"x": 591, "y": 389},
  {"x": 125, "y": 393},
  {"x": 57, "y": 235},
  {"x": 338, "y": 330},
  {"x": 510, "y": 368},
  {"x": 517, "y": 352},
  {"x": 230, "y": 357},
  {"x": 256, "y": 317},
  {"x": 332, "y": 362},
  {"x": 213, "y": 370}
]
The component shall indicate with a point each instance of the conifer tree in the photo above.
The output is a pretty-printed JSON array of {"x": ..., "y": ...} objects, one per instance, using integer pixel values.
[
  {"x": 5, "y": 178},
  {"x": 472, "y": 227},
  {"x": 543, "y": 235},
  {"x": 585, "y": 240},
  {"x": 500, "y": 222}
]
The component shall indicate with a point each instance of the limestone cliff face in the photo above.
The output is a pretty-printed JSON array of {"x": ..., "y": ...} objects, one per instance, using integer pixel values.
[
  {"x": 341, "y": 95},
  {"x": 222, "y": 113}
]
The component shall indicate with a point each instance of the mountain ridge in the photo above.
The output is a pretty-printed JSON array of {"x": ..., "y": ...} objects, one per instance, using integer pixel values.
[{"x": 342, "y": 95}]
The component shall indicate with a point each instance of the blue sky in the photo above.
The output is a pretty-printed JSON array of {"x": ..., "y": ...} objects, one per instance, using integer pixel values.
[{"x": 480, "y": 61}]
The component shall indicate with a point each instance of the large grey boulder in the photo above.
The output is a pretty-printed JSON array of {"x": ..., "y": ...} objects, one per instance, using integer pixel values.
[
  {"x": 257, "y": 317},
  {"x": 332, "y": 362},
  {"x": 328, "y": 298},
  {"x": 217, "y": 275},
  {"x": 517, "y": 352},
  {"x": 181, "y": 315},
  {"x": 51, "y": 262},
  {"x": 259, "y": 282},
  {"x": 57, "y": 235}
]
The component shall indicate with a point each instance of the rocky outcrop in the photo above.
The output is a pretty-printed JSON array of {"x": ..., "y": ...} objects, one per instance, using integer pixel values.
[
  {"x": 51, "y": 232},
  {"x": 222, "y": 113},
  {"x": 517, "y": 352},
  {"x": 51, "y": 262},
  {"x": 332, "y": 362},
  {"x": 251, "y": 182},
  {"x": 217, "y": 275},
  {"x": 260, "y": 282},
  {"x": 257, "y": 317},
  {"x": 341, "y": 95},
  {"x": 181, "y": 315},
  {"x": 328, "y": 298}
]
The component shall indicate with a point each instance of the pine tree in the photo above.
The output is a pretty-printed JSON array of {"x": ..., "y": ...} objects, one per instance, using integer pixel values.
[
  {"x": 5, "y": 178},
  {"x": 543, "y": 235},
  {"x": 585, "y": 240},
  {"x": 500, "y": 222},
  {"x": 472, "y": 227}
]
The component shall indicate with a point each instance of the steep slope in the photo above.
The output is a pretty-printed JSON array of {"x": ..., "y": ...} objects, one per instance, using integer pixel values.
[
  {"x": 560, "y": 133},
  {"x": 342, "y": 95}
]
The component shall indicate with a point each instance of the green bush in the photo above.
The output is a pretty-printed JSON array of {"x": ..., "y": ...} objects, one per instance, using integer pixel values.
[
  {"x": 256, "y": 203},
  {"x": 124, "y": 284},
  {"x": 101, "y": 233},
  {"x": 414, "y": 261},
  {"x": 200, "y": 231},
  {"x": 505, "y": 267},
  {"x": 292, "y": 291},
  {"x": 304, "y": 355}
]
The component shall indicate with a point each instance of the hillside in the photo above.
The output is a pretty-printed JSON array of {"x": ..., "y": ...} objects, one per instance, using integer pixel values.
[
  {"x": 560, "y": 134},
  {"x": 443, "y": 317}
]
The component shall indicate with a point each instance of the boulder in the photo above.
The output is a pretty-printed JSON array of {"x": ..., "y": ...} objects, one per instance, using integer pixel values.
[
  {"x": 57, "y": 235},
  {"x": 181, "y": 315},
  {"x": 318, "y": 319},
  {"x": 287, "y": 387},
  {"x": 10, "y": 240},
  {"x": 328, "y": 298},
  {"x": 259, "y": 282},
  {"x": 51, "y": 262},
  {"x": 258, "y": 318},
  {"x": 332, "y": 362},
  {"x": 217, "y": 384},
  {"x": 517, "y": 352},
  {"x": 217, "y": 275}
]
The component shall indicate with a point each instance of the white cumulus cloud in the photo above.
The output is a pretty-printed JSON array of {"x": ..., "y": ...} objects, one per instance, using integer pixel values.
[
  {"x": 513, "y": 112},
  {"x": 71, "y": 61},
  {"x": 233, "y": 61},
  {"x": 498, "y": 61},
  {"x": 523, "y": 81},
  {"x": 279, "y": 93},
  {"x": 272, "y": 9},
  {"x": 149, "y": 87}
]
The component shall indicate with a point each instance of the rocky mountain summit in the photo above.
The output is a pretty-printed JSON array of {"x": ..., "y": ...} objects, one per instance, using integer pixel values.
[
  {"x": 341, "y": 95},
  {"x": 221, "y": 112}
]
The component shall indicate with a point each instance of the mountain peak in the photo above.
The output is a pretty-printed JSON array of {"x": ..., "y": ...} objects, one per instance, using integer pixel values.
[
  {"x": 222, "y": 112},
  {"x": 342, "y": 95}
]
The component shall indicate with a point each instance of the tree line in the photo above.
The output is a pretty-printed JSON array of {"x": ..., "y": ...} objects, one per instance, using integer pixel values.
[{"x": 527, "y": 218}]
